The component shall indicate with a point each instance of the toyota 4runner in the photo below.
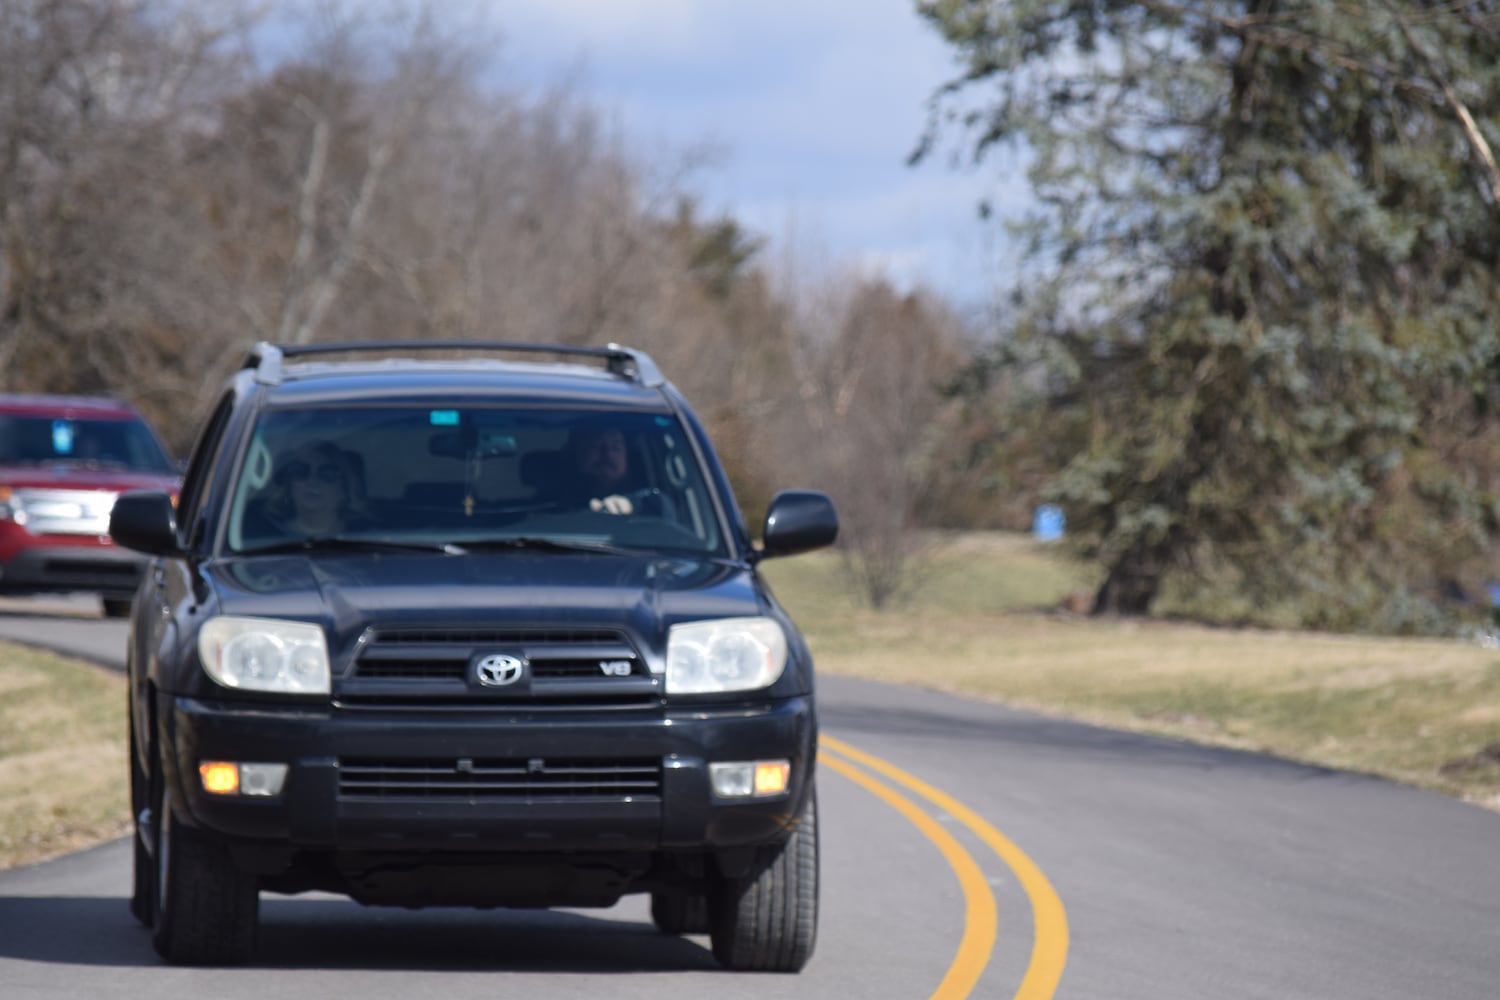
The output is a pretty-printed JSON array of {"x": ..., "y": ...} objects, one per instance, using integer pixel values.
[{"x": 447, "y": 630}]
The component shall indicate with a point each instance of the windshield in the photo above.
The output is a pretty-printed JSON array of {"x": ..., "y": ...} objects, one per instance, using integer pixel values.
[
  {"x": 474, "y": 477},
  {"x": 112, "y": 444}
]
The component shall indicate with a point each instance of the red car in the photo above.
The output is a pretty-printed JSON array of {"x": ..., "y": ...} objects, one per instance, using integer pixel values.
[{"x": 63, "y": 461}]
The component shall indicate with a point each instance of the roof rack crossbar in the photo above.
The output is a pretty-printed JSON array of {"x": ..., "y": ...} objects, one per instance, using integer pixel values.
[{"x": 626, "y": 362}]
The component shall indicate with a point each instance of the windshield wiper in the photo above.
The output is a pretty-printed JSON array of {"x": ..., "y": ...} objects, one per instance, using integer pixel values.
[
  {"x": 352, "y": 545},
  {"x": 541, "y": 543}
]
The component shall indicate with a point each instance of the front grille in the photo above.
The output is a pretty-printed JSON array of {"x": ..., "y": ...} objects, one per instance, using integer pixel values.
[
  {"x": 519, "y": 780},
  {"x": 67, "y": 512},
  {"x": 433, "y": 668}
]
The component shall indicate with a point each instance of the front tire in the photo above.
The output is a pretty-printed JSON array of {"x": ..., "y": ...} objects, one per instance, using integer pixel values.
[
  {"x": 207, "y": 910},
  {"x": 767, "y": 920},
  {"x": 143, "y": 871}
]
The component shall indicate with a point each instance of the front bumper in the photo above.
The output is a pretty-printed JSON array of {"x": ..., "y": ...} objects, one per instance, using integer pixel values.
[
  {"x": 66, "y": 563},
  {"x": 321, "y": 808}
]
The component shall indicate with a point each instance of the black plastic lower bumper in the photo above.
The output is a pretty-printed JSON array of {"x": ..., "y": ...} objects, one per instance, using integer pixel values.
[
  {"x": 320, "y": 809},
  {"x": 112, "y": 572}
]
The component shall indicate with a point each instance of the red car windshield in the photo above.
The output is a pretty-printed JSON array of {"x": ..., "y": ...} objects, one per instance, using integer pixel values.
[{"x": 93, "y": 442}]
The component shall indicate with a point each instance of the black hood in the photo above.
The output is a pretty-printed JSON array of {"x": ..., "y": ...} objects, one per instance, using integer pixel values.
[{"x": 641, "y": 595}]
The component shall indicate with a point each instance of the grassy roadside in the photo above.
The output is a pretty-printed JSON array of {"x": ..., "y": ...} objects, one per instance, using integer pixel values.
[
  {"x": 62, "y": 755},
  {"x": 1416, "y": 711}
]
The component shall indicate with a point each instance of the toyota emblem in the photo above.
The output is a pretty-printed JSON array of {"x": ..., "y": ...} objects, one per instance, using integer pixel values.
[{"x": 499, "y": 670}]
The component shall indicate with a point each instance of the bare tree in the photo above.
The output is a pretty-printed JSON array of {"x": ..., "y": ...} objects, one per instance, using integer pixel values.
[
  {"x": 871, "y": 425},
  {"x": 90, "y": 92},
  {"x": 170, "y": 193}
]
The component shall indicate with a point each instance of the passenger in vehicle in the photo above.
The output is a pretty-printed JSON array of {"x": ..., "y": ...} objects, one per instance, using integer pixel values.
[{"x": 317, "y": 492}]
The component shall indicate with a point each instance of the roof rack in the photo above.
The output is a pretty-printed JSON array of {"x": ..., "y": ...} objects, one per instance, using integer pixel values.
[{"x": 626, "y": 362}]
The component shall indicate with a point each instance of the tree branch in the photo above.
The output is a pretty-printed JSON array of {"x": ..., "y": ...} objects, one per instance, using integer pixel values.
[
  {"x": 327, "y": 286},
  {"x": 1476, "y": 138},
  {"x": 307, "y": 220}
]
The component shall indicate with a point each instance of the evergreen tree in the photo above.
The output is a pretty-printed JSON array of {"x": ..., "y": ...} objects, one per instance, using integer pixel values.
[{"x": 1264, "y": 327}]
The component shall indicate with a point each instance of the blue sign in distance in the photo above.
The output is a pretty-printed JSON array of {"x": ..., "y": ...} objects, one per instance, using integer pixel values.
[{"x": 1048, "y": 523}]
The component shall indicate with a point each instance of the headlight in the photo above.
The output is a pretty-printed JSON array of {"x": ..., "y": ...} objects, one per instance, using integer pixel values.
[
  {"x": 263, "y": 654},
  {"x": 11, "y": 507},
  {"x": 728, "y": 654}
]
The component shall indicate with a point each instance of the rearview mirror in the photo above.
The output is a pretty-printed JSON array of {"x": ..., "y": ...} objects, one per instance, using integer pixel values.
[{"x": 470, "y": 443}]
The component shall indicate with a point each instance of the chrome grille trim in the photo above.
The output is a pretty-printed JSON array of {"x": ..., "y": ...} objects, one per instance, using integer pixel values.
[
  {"x": 66, "y": 512},
  {"x": 427, "y": 667}
]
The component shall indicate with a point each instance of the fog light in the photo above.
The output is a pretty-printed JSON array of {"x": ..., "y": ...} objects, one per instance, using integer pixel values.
[
  {"x": 220, "y": 777},
  {"x": 263, "y": 780},
  {"x": 732, "y": 781},
  {"x": 744, "y": 779}
]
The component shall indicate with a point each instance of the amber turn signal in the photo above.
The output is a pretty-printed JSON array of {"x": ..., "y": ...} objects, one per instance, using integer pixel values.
[
  {"x": 220, "y": 777},
  {"x": 771, "y": 777}
]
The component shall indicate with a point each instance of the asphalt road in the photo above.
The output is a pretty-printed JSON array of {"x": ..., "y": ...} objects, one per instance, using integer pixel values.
[
  {"x": 1182, "y": 872},
  {"x": 71, "y": 624}
]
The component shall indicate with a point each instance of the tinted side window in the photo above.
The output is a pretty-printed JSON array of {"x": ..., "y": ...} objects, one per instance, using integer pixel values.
[{"x": 200, "y": 470}]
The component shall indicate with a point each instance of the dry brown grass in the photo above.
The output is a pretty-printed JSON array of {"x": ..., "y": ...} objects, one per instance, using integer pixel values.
[{"x": 62, "y": 756}]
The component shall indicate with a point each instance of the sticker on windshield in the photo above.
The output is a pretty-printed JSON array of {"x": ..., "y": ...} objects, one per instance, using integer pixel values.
[
  {"x": 443, "y": 418},
  {"x": 62, "y": 437}
]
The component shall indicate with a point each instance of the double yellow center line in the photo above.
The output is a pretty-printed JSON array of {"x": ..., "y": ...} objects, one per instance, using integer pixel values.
[{"x": 1049, "y": 922}]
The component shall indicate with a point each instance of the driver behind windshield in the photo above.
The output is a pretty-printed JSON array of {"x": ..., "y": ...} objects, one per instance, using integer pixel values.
[{"x": 598, "y": 465}]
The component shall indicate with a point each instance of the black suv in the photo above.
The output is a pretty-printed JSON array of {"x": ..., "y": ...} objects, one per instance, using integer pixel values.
[{"x": 446, "y": 630}]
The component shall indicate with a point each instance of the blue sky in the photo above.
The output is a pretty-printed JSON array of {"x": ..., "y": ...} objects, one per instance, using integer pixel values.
[{"x": 811, "y": 108}]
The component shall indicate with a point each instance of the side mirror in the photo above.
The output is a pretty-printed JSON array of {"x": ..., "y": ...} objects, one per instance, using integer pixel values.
[
  {"x": 798, "y": 521},
  {"x": 144, "y": 520}
]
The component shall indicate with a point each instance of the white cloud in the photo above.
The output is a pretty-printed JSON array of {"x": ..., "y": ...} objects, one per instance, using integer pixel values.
[
  {"x": 815, "y": 106},
  {"x": 606, "y": 22}
]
